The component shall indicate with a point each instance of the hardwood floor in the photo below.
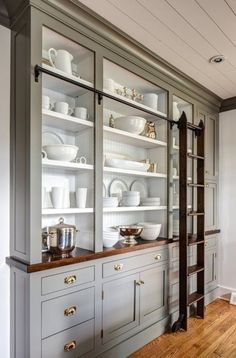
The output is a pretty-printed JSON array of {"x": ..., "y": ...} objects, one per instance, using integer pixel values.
[{"x": 213, "y": 337}]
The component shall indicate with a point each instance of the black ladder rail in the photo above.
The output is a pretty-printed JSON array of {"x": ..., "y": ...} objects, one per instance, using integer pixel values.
[{"x": 185, "y": 271}]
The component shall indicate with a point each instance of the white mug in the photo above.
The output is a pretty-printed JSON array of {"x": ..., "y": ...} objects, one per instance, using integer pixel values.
[
  {"x": 46, "y": 102},
  {"x": 81, "y": 197},
  {"x": 58, "y": 197},
  {"x": 109, "y": 84},
  {"x": 151, "y": 100},
  {"x": 62, "y": 60},
  {"x": 81, "y": 112},
  {"x": 63, "y": 107}
]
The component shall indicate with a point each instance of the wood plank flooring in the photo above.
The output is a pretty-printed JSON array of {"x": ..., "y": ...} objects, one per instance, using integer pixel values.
[{"x": 213, "y": 337}]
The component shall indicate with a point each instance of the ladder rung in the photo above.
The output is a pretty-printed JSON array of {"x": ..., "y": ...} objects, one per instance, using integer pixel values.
[
  {"x": 194, "y": 269},
  {"x": 195, "y": 213},
  {"x": 194, "y": 240},
  {"x": 193, "y": 127},
  {"x": 193, "y": 156},
  {"x": 195, "y": 185},
  {"x": 194, "y": 297}
]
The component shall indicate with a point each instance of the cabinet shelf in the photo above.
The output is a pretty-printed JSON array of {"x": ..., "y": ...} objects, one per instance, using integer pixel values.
[
  {"x": 65, "y": 122},
  {"x": 134, "y": 173},
  {"x": 119, "y": 108},
  {"x": 48, "y": 163},
  {"x": 133, "y": 208},
  {"x": 105, "y": 210},
  {"x": 67, "y": 211},
  {"x": 59, "y": 85},
  {"x": 132, "y": 139}
]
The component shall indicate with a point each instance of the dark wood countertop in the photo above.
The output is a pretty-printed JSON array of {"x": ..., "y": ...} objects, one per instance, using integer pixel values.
[{"x": 81, "y": 255}]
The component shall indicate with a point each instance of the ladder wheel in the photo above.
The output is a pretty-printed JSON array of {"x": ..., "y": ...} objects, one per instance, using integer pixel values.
[{"x": 176, "y": 326}]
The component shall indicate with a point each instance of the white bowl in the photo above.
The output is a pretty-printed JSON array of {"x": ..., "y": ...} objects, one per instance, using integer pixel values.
[
  {"x": 130, "y": 193},
  {"x": 127, "y": 164},
  {"x": 62, "y": 152},
  {"x": 151, "y": 231},
  {"x": 128, "y": 201},
  {"x": 131, "y": 124},
  {"x": 109, "y": 242}
]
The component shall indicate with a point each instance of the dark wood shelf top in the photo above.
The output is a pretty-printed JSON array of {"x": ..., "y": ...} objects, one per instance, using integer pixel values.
[
  {"x": 81, "y": 255},
  {"x": 194, "y": 297}
]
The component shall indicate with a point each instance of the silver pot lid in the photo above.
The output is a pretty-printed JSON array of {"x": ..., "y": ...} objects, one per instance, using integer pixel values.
[{"x": 60, "y": 226}]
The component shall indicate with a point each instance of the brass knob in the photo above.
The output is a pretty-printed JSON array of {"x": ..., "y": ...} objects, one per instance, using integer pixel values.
[
  {"x": 70, "y": 311},
  {"x": 207, "y": 185},
  {"x": 206, "y": 171},
  {"x": 70, "y": 279},
  {"x": 118, "y": 267},
  {"x": 69, "y": 346},
  {"x": 142, "y": 282},
  {"x": 206, "y": 244},
  {"x": 138, "y": 283},
  {"x": 157, "y": 257}
]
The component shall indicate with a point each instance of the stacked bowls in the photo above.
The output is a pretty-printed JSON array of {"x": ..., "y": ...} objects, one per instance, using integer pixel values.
[
  {"x": 110, "y": 236},
  {"x": 130, "y": 198},
  {"x": 151, "y": 231},
  {"x": 152, "y": 201},
  {"x": 110, "y": 202}
]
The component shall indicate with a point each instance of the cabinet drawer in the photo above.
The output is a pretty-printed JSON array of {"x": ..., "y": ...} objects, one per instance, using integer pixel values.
[
  {"x": 66, "y": 311},
  {"x": 210, "y": 243},
  {"x": 66, "y": 280},
  {"x": 174, "y": 251},
  {"x": 123, "y": 265},
  {"x": 78, "y": 340}
]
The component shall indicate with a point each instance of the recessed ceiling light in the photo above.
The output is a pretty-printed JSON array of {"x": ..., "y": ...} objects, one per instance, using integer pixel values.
[{"x": 217, "y": 59}]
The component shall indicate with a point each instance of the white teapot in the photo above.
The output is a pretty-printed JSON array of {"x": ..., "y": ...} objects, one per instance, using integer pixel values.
[{"x": 62, "y": 60}]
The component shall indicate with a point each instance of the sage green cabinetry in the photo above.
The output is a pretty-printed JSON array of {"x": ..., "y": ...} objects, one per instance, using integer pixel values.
[{"x": 211, "y": 264}]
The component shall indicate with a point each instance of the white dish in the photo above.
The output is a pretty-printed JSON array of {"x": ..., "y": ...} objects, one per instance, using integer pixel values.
[
  {"x": 50, "y": 138},
  {"x": 61, "y": 152},
  {"x": 131, "y": 193},
  {"x": 131, "y": 124},
  {"x": 109, "y": 242},
  {"x": 138, "y": 185},
  {"x": 116, "y": 155},
  {"x": 127, "y": 201},
  {"x": 127, "y": 164},
  {"x": 116, "y": 187},
  {"x": 151, "y": 231}
]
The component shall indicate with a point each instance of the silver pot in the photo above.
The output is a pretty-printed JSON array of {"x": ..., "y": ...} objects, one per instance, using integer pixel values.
[{"x": 61, "y": 238}]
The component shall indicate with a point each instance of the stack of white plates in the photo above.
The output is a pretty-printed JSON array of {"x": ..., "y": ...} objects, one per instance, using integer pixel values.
[
  {"x": 130, "y": 198},
  {"x": 110, "y": 202},
  {"x": 151, "y": 201},
  {"x": 110, "y": 236}
]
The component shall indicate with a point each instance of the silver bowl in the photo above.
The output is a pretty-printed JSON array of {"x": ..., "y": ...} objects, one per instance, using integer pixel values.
[{"x": 130, "y": 232}]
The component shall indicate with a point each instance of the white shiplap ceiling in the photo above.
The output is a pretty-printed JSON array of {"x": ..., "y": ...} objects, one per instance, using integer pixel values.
[{"x": 185, "y": 33}]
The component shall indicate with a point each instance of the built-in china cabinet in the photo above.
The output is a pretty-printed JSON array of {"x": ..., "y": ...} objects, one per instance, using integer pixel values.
[{"x": 94, "y": 143}]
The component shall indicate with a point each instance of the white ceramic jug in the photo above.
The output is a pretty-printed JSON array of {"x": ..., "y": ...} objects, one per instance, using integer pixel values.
[
  {"x": 176, "y": 111},
  {"x": 62, "y": 60}
]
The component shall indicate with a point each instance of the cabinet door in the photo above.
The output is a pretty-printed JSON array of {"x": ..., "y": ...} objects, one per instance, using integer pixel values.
[
  {"x": 153, "y": 293},
  {"x": 210, "y": 269},
  {"x": 120, "y": 306},
  {"x": 211, "y": 204},
  {"x": 211, "y": 146}
]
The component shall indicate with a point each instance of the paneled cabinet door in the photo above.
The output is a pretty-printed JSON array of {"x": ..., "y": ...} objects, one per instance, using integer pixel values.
[
  {"x": 120, "y": 306},
  {"x": 210, "y": 269},
  {"x": 211, "y": 205},
  {"x": 211, "y": 146},
  {"x": 153, "y": 293}
]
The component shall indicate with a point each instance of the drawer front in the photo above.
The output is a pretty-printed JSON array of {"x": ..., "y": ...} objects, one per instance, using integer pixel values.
[
  {"x": 174, "y": 251},
  {"x": 123, "y": 265},
  {"x": 67, "y": 280},
  {"x": 210, "y": 243},
  {"x": 67, "y": 311},
  {"x": 73, "y": 342}
]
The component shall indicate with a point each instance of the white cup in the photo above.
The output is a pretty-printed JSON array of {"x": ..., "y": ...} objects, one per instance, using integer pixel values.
[
  {"x": 63, "y": 107},
  {"x": 81, "y": 112},
  {"x": 58, "y": 197},
  {"x": 81, "y": 197},
  {"x": 46, "y": 102},
  {"x": 151, "y": 100},
  {"x": 109, "y": 84}
]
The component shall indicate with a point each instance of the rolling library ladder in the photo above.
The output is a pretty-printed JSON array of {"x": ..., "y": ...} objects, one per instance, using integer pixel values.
[{"x": 186, "y": 239}]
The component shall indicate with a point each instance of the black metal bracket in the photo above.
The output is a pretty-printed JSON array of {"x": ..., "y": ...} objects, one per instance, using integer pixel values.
[
  {"x": 36, "y": 73},
  {"x": 172, "y": 123},
  {"x": 100, "y": 97}
]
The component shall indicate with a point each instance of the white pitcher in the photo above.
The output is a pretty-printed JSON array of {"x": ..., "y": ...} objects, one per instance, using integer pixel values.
[
  {"x": 176, "y": 111},
  {"x": 62, "y": 60}
]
